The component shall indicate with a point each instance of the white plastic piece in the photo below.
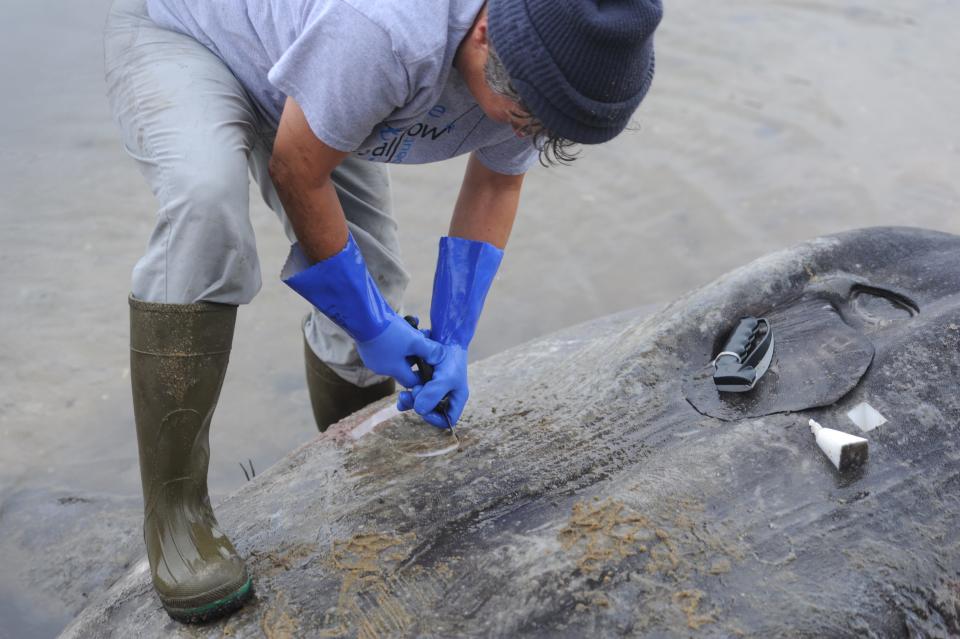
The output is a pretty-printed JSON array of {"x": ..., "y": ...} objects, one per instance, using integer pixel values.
[
  {"x": 866, "y": 417},
  {"x": 845, "y": 451}
]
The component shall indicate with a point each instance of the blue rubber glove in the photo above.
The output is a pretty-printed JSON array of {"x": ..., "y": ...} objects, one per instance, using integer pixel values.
[
  {"x": 465, "y": 271},
  {"x": 343, "y": 290}
]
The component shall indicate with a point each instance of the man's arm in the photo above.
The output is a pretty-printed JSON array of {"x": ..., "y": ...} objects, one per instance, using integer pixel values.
[
  {"x": 301, "y": 166},
  {"x": 337, "y": 282},
  {"x": 466, "y": 265},
  {"x": 487, "y": 205}
]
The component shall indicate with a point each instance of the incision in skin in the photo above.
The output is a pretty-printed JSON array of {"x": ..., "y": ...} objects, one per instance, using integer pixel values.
[
  {"x": 417, "y": 440},
  {"x": 440, "y": 451},
  {"x": 435, "y": 442}
]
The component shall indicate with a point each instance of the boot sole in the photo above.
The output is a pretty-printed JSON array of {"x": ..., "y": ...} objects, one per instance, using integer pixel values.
[{"x": 214, "y": 610}]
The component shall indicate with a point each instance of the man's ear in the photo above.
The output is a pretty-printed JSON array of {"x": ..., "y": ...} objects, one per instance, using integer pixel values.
[
  {"x": 475, "y": 46},
  {"x": 482, "y": 27},
  {"x": 479, "y": 34}
]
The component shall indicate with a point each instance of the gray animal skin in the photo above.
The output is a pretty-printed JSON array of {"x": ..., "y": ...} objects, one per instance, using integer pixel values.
[{"x": 591, "y": 498}]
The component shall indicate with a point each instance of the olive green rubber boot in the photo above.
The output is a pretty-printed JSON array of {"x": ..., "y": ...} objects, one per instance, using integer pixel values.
[
  {"x": 332, "y": 397},
  {"x": 178, "y": 357}
]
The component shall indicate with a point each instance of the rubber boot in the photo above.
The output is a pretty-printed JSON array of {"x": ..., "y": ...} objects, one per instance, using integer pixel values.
[
  {"x": 332, "y": 397},
  {"x": 178, "y": 357}
]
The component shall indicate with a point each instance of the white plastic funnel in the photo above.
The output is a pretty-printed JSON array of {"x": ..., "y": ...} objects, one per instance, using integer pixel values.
[{"x": 844, "y": 450}]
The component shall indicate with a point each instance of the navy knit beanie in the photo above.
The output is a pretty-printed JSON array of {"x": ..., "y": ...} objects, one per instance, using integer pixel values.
[{"x": 581, "y": 66}]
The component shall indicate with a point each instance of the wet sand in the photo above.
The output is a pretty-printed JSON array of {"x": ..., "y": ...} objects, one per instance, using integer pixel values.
[{"x": 768, "y": 123}]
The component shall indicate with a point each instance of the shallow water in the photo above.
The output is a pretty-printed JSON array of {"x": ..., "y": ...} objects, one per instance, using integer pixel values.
[{"x": 769, "y": 122}]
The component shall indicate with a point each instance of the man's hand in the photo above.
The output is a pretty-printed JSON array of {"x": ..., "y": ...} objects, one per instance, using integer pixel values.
[
  {"x": 342, "y": 288},
  {"x": 449, "y": 380},
  {"x": 390, "y": 352}
]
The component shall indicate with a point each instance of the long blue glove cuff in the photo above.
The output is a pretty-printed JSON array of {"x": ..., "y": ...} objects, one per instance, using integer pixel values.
[
  {"x": 465, "y": 272},
  {"x": 342, "y": 288}
]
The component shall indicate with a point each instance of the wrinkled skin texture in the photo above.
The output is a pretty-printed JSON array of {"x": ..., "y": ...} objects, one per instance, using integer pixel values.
[{"x": 590, "y": 497}]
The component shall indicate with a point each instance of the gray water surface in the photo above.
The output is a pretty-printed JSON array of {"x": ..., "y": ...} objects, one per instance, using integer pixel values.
[{"x": 768, "y": 123}]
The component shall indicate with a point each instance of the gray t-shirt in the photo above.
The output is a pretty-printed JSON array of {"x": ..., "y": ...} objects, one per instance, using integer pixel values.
[{"x": 374, "y": 77}]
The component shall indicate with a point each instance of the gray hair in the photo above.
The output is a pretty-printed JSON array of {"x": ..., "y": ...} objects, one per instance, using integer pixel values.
[
  {"x": 497, "y": 77},
  {"x": 553, "y": 148}
]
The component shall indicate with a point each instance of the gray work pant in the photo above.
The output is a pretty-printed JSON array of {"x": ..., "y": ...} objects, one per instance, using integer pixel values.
[{"x": 194, "y": 133}]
